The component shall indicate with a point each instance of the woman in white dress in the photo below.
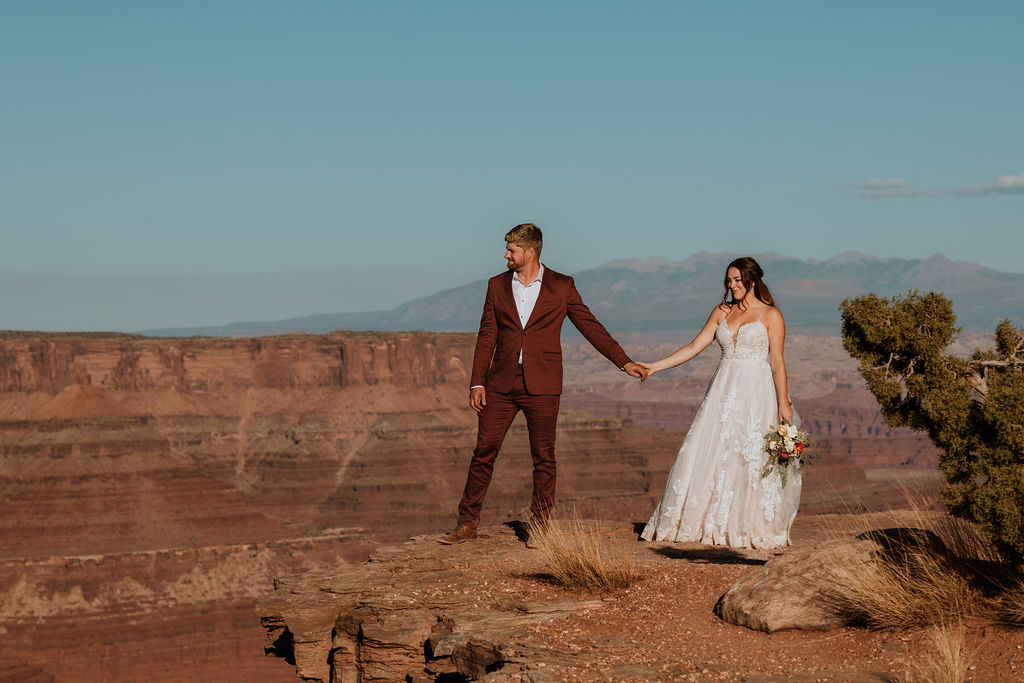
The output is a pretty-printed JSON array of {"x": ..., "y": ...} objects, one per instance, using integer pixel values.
[{"x": 715, "y": 492}]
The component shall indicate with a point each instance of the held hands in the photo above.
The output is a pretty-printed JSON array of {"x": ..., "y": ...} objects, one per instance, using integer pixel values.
[
  {"x": 477, "y": 398},
  {"x": 649, "y": 367},
  {"x": 637, "y": 370}
]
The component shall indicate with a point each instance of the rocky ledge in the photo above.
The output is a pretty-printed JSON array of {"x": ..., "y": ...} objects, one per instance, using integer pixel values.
[
  {"x": 416, "y": 612},
  {"x": 487, "y": 610}
]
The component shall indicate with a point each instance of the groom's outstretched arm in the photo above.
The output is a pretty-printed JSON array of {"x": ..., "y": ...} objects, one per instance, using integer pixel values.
[{"x": 595, "y": 333}]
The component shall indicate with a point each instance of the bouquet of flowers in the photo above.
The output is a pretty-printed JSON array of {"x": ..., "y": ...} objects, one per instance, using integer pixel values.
[{"x": 787, "y": 446}]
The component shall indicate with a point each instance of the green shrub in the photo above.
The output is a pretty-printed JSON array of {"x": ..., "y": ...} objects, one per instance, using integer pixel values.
[{"x": 973, "y": 410}]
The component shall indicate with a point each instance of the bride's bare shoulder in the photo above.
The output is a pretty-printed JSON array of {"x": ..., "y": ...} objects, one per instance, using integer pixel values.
[{"x": 772, "y": 315}]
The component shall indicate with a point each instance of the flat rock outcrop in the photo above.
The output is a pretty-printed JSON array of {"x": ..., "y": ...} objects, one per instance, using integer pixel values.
[{"x": 404, "y": 615}]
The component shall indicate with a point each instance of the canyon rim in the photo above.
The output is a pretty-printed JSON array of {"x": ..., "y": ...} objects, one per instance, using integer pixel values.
[{"x": 154, "y": 488}]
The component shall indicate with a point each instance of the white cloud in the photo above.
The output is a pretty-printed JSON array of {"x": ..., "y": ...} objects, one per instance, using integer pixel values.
[
  {"x": 887, "y": 188},
  {"x": 883, "y": 184},
  {"x": 1009, "y": 184}
]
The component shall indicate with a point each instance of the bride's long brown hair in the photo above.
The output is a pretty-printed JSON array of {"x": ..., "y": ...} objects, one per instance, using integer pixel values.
[{"x": 750, "y": 276}]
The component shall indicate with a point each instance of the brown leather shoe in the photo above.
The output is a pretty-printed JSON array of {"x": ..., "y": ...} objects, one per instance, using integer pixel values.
[{"x": 462, "y": 533}]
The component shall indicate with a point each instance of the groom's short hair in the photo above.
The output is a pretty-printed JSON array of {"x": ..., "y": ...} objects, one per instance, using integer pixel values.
[{"x": 526, "y": 235}]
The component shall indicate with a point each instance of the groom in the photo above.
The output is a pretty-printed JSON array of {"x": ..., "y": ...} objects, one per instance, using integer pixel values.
[{"x": 518, "y": 366}]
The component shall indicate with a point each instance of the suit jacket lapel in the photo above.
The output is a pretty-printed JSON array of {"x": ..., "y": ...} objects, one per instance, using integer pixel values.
[
  {"x": 543, "y": 297},
  {"x": 508, "y": 297}
]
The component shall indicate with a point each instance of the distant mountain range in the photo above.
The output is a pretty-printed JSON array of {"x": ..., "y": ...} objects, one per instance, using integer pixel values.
[
  {"x": 660, "y": 294},
  {"x": 125, "y": 301}
]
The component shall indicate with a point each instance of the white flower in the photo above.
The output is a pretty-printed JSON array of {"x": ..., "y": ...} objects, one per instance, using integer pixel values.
[{"x": 790, "y": 445}]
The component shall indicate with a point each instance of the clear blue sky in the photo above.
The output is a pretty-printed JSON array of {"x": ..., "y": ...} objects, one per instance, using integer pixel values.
[{"x": 254, "y": 136}]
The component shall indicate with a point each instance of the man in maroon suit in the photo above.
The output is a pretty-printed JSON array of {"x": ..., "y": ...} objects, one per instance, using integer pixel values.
[{"x": 518, "y": 366}]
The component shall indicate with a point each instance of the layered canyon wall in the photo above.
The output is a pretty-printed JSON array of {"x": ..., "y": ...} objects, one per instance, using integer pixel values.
[{"x": 151, "y": 488}]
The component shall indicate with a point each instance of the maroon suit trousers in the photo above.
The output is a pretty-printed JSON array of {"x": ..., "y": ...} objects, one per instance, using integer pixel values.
[{"x": 541, "y": 412}]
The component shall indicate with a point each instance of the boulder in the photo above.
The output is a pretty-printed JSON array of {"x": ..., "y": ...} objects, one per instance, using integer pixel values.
[{"x": 788, "y": 591}]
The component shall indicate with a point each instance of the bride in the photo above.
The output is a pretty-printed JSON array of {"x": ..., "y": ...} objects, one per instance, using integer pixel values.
[{"x": 715, "y": 493}]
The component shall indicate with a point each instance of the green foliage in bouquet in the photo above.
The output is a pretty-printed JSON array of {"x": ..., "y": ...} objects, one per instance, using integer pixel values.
[{"x": 973, "y": 410}]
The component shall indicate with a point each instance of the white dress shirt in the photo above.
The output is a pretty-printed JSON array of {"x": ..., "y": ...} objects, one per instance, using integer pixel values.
[{"x": 526, "y": 299}]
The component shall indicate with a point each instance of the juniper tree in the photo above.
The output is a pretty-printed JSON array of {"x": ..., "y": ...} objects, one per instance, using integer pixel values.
[{"x": 973, "y": 410}]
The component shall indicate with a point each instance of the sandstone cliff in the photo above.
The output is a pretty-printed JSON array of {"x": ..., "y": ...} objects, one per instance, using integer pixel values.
[{"x": 151, "y": 488}]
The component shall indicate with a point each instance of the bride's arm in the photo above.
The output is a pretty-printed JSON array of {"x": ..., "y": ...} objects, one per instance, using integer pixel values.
[
  {"x": 699, "y": 343},
  {"x": 776, "y": 341}
]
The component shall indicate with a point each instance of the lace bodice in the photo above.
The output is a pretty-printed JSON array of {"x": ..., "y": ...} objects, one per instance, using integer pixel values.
[{"x": 751, "y": 341}]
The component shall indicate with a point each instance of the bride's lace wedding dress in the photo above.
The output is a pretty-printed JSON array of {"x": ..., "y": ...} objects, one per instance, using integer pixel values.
[{"x": 715, "y": 493}]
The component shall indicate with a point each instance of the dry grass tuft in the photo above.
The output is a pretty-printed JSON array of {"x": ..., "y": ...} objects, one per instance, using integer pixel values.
[
  {"x": 921, "y": 575},
  {"x": 944, "y": 661},
  {"x": 1010, "y": 605},
  {"x": 929, "y": 570},
  {"x": 962, "y": 538},
  {"x": 907, "y": 588},
  {"x": 579, "y": 556}
]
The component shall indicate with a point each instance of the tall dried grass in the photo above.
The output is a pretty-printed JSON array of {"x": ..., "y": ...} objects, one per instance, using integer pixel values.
[
  {"x": 910, "y": 588},
  {"x": 580, "y": 557},
  {"x": 962, "y": 538},
  {"x": 925, "y": 573},
  {"x": 1010, "y": 605},
  {"x": 945, "y": 660}
]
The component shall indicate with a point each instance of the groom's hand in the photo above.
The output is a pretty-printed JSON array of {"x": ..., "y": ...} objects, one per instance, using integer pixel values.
[
  {"x": 636, "y": 370},
  {"x": 477, "y": 398}
]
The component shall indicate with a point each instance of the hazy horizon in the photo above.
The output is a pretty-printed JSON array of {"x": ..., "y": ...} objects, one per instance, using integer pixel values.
[{"x": 134, "y": 302}]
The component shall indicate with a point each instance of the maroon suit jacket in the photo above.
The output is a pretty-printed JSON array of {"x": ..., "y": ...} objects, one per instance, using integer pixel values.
[{"x": 501, "y": 336}]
